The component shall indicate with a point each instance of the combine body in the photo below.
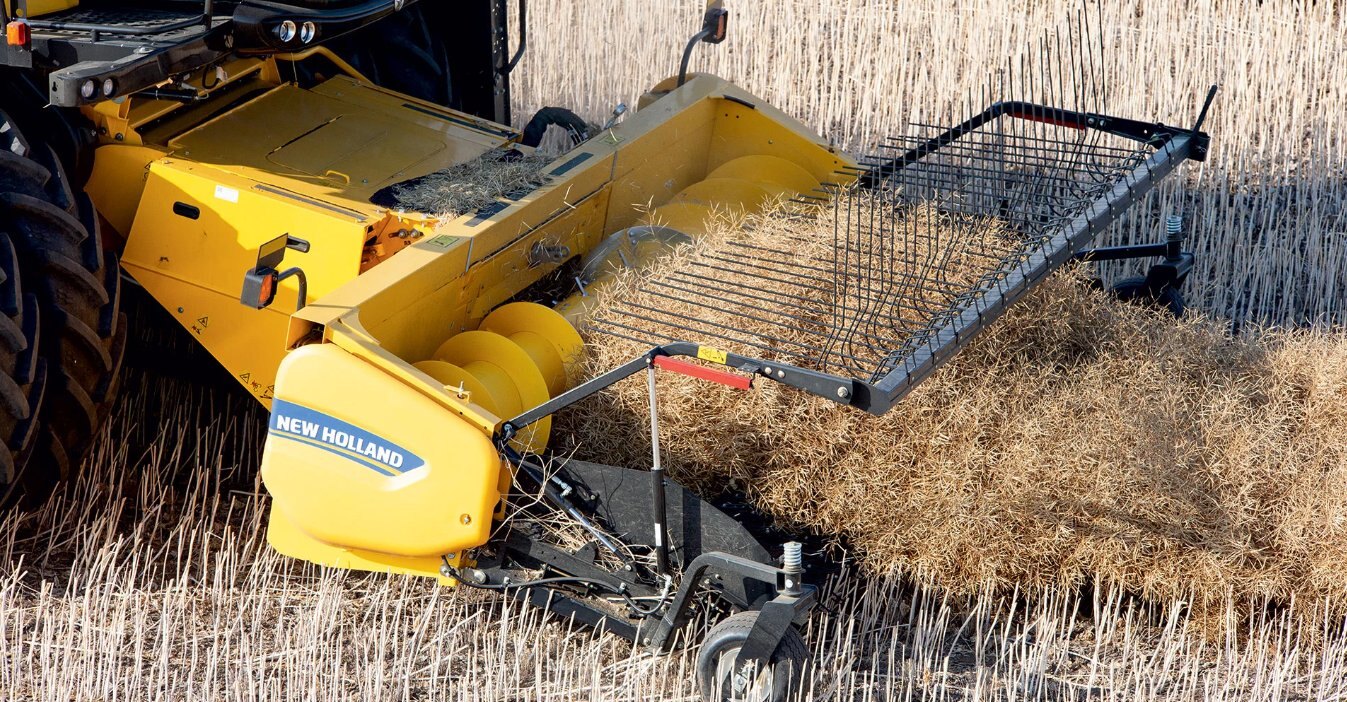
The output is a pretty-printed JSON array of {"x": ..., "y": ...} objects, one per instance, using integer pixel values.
[{"x": 248, "y": 173}]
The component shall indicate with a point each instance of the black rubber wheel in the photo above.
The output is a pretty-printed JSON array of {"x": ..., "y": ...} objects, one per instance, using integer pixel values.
[
  {"x": 719, "y": 682},
  {"x": 62, "y": 332},
  {"x": 1136, "y": 291},
  {"x": 403, "y": 53}
]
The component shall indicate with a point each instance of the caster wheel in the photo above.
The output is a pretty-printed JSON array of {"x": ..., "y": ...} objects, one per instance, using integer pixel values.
[
  {"x": 718, "y": 679},
  {"x": 1135, "y": 290}
]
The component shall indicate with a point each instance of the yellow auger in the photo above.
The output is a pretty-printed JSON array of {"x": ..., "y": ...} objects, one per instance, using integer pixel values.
[{"x": 520, "y": 356}]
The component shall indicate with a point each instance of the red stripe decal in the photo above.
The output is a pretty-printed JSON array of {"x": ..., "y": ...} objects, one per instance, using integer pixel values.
[
  {"x": 692, "y": 370},
  {"x": 1047, "y": 120}
]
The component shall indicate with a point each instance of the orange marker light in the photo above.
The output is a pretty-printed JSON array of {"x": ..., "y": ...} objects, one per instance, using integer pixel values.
[
  {"x": 17, "y": 33},
  {"x": 268, "y": 290}
]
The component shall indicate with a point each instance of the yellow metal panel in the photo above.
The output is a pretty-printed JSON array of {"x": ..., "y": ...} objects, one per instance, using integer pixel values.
[
  {"x": 763, "y": 130},
  {"x": 428, "y": 287},
  {"x": 249, "y": 343},
  {"x": 348, "y": 336},
  {"x": 649, "y": 171},
  {"x": 369, "y": 463},
  {"x": 426, "y": 115},
  {"x": 236, "y": 218},
  {"x": 195, "y": 267},
  {"x": 118, "y": 182},
  {"x": 37, "y": 8},
  {"x": 351, "y": 146},
  {"x": 290, "y": 540},
  {"x": 341, "y": 142}
]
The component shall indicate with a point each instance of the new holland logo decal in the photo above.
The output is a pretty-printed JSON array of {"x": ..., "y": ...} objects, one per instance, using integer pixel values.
[{"x": 307, "y": 426}]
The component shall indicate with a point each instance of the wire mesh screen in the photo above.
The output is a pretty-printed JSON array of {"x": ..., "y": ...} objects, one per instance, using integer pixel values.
[
  {"x": 986, "y": 206},
  {"x": 858, "y": 288}
]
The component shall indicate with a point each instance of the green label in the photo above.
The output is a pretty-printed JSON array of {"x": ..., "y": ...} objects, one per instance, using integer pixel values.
[{"x": 443, "y": 241}]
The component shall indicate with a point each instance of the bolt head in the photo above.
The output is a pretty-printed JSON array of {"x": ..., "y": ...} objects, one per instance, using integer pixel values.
[
  {"x": 843, "y": 393},
  {"x": 466, "y": 519}
]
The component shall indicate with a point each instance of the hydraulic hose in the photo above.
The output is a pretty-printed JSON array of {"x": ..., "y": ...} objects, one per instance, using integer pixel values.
[{"x": 555, "y": 116}]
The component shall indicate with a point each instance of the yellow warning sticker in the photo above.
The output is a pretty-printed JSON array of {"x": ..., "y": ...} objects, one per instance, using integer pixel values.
[{"x": 706, "y": 353}]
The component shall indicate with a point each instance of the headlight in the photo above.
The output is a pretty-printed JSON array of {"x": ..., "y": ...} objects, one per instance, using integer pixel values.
[{"x": 286, "y": 31}]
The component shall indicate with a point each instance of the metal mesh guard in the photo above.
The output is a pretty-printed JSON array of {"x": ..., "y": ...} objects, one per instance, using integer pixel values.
[{"x": 929, "y": 244}]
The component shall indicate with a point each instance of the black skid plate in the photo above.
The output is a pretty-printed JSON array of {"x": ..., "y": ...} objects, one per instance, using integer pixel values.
[{"x": 623, "y": 499}]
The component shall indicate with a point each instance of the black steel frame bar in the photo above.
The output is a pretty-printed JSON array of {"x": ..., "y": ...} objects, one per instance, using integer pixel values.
[
  {"x": 1122, "y": 253},
  {"x": 840, "y": 390},
  {"x": 1152, "y": 133},
  {"x": 961, "y": 329}
]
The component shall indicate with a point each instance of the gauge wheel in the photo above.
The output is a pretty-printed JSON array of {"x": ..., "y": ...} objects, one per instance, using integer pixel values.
[
  {"x": 719, "y": 680},
  {"x": 1135, "y": 290}
]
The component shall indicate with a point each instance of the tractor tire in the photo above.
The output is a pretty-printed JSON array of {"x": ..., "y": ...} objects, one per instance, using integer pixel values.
[
  {"x": 403, "y": 54},
  {"x": 62, "y": 330},
  {"x": 1135, "y": 290},
  {"x": 716, "y": 677}
]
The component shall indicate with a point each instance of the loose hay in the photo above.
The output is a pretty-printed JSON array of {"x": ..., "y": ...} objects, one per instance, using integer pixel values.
[
  {"x": 468, "y": 186},
  {"x": 1078, "y": 438}
]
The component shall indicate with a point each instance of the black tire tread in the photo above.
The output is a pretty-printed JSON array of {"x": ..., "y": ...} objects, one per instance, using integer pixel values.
[{"x": 68, "y": 317}]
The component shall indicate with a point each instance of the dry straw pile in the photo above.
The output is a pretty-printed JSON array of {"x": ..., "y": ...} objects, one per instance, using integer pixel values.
[
  {"x": 1077, "y": 438},
  {"x": 150, "y": 579}
]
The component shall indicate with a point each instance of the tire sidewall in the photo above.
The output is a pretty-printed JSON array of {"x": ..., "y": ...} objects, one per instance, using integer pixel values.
[{"x": 727, "y": 639}]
